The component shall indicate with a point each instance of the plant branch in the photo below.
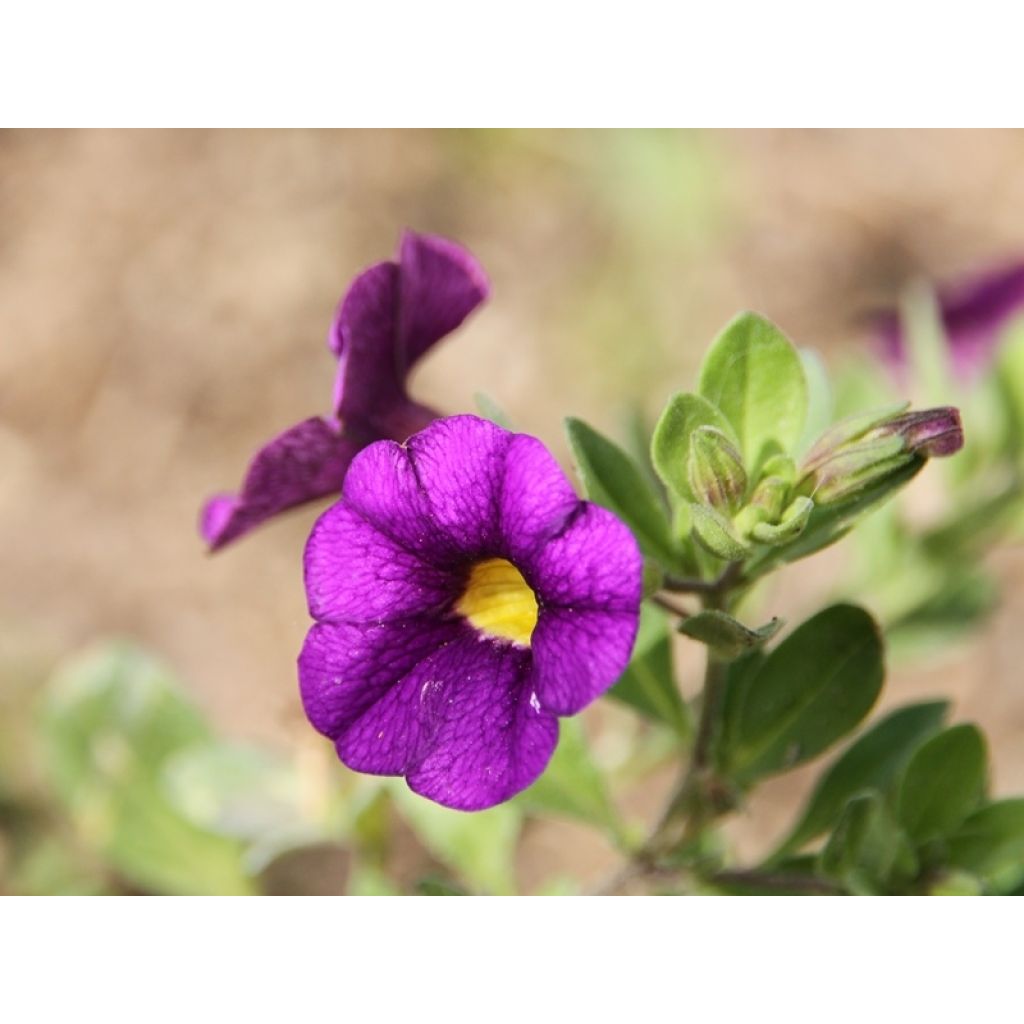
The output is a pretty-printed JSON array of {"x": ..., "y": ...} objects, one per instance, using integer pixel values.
[
  {"x": 717, "y": 588},
  {"x": 670, "y": 606}
]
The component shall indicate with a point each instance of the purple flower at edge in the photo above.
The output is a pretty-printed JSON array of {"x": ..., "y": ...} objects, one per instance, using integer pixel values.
[
  {"x": 974, "y": 313},
  {"x": 464, "y": 598},
  {"x": 391, "y": 315}
]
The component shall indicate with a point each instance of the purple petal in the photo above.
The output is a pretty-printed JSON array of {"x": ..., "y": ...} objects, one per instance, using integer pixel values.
[
  {"x": 392, "y": 314},
  {"x": 345, "y": 668},
  {"x": 593, "y": 564},
  {"x": 430, "y": 701},
  {"x": 974, "y": 313},
  {"x": 355, "y": 573},
  {"x": 305, "y": 462},
  {"x": 536, "y": 498},
  {"x": 363, "y": 337},
  {"x": 577, "y": 655},
  {"x": 485, "y": 736},
  {"x": 441, "y": 284},
  {"x": 382, "y": 486},
  {"x": 460, "y": 464},
  {"x": 589, "y": 586}
]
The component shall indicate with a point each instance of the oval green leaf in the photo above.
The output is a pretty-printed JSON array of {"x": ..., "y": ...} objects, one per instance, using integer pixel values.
[
  {"x": 872, "y": 761},
  {"x": 945, "y": 780},
  {"x": 670, "y": 443},
  {"x": 815, "y": 687},
  {"x": 755, "y": 377}
]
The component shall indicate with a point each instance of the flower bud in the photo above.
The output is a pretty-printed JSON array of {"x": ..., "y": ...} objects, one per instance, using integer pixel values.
[
  {"x": 789, "y": 527},
  {"x": 866, "y": 449},
  {"x": 716, "y": 534},
  {"x": 769, "y": 498},
  {"x": 715, "y": 470},
  {"x": 933, "y": 433}
]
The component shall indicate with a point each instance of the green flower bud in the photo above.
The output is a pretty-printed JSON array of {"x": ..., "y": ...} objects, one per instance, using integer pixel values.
[
  {"x": 716, "y": 533},
  {"x": 865, "y": 449},
  {"x": 792, "y": 524},
  {"x": 715, "y": 470},
  {"x": 770, "y": 497}
]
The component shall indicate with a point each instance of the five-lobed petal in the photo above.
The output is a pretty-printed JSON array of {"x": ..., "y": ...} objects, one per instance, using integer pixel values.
[{"x": 400, "y": 680}]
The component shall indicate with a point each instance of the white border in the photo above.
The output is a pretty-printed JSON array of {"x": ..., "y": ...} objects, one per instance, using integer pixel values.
[{"x": 465, "y": 63}]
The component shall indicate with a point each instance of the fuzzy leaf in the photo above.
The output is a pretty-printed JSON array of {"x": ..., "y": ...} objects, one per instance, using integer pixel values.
[
  {"x": 670, "y": 444},
  {"x": 726, "y": 636},
  {"x": 754, "y": 375}
]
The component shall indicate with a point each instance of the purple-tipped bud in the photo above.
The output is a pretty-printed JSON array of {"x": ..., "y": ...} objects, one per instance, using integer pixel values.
[
  {"x": 864, "y": 450},
  {"x": 933, "y": 433}
]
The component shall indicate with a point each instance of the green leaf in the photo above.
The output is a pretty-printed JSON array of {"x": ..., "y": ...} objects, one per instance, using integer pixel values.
[
  {"x": 480, "y": 847},
  {"x": 612, "y": 479},
  {"x": 726, "y": 636},
  {"x": 572, "y": 785},
  {"x": 927, "y": 345},
  {"x": 648, "y": 685},
  {"x": 670, "y": 443},
  {"x": 1010, "y": 387},
  {"x": 957, "y": 883},
  {"x": 112, "y": 722},
  {"x": 754, "y": 375},
  {"x": 944, "y": 781},
  {"x": 815, "y": 687},
  {"x": 820, "y": 402},
  {"x": 868, "y": 851},
  {"x": 990, "y": 840},
  {"x": 873, "y": 761},
  {"x": 236, "y": 790},
  {"x": 716, "y": 534},
  {"x": 159, "y": 850}
]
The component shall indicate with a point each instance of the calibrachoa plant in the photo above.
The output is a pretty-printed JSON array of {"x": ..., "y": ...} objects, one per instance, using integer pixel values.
[{"x": 465, "y": 600}]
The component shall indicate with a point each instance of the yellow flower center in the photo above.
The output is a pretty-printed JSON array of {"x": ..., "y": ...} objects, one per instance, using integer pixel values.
[{"x": 499, "y": 602}]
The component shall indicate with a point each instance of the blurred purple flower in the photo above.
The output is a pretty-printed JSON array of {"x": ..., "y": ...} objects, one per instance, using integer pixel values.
[
  {"x": 974, "y": 313},
  {"x": 464, "y": 598},
  {"x": 391, "y": 315}
]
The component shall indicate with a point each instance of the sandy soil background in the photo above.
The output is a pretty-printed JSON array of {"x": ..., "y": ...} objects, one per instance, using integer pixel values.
[{"x": 164, "y": 298}]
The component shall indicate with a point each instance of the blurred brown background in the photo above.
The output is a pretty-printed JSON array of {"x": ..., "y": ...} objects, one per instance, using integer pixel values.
[{"x": 164, "y": 300}]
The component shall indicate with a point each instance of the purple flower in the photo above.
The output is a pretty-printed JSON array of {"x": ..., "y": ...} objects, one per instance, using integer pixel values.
[
  {"x": 974, "y": 313},
  {"x": 464, "y": 598},
  {"x": 392, "y": 314}
]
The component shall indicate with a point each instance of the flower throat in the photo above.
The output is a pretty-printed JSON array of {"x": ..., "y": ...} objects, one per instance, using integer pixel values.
[{"x": 499, "y": 602}]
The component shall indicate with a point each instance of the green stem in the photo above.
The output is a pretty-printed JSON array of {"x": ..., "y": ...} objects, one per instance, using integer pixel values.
[
  {"x": 715, "y": 590},
  {"x": 699, "y": 796},
  {"x": 670, "y": 606}
]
